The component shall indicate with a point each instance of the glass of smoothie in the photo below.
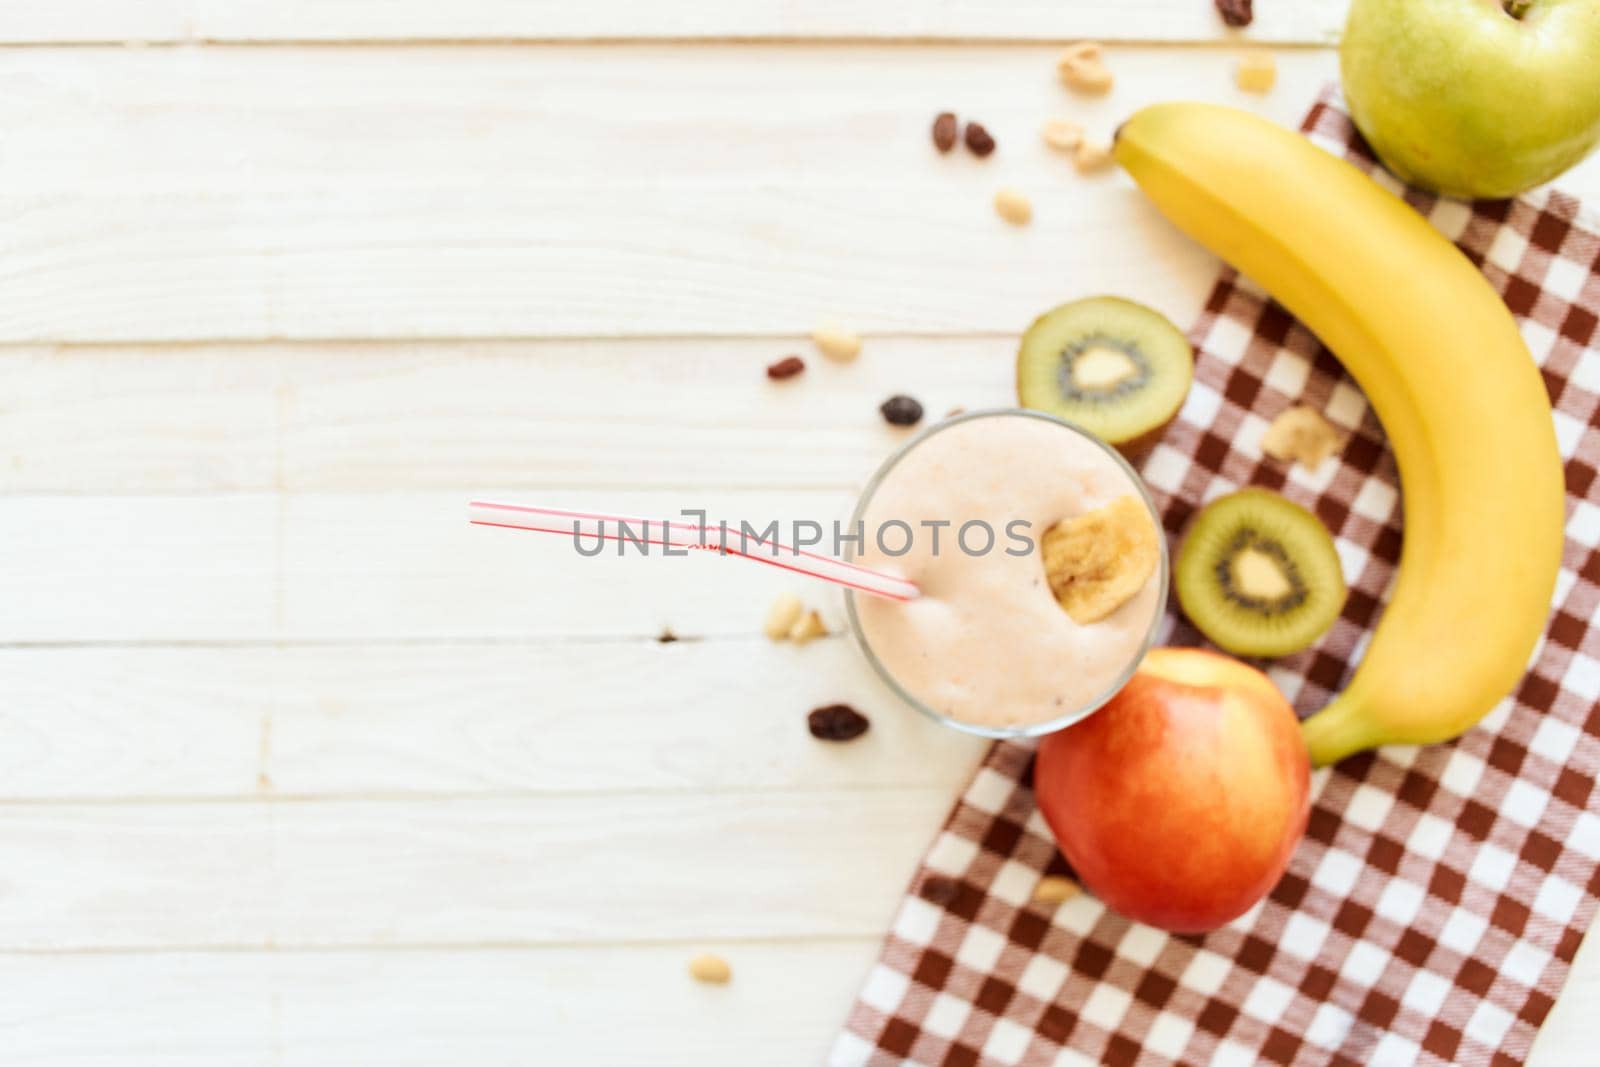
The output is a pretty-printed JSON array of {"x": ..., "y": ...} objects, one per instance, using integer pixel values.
[{"x": 987, "y": 648}]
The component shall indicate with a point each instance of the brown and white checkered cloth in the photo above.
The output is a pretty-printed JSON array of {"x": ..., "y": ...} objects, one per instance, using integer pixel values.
[{"x": 1433, "y": 909}]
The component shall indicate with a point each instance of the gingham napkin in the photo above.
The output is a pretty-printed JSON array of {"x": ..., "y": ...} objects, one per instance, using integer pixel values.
[{"x": 1432, "y": 911}]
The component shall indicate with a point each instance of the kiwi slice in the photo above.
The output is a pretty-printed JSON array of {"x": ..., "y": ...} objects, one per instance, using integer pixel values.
[
  {"x": 1258, "y": 574},
  {"x": 1118, "y": 369}
]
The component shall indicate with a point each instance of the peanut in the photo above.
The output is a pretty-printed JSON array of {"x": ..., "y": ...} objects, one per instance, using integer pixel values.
[
  {"x": 1014, "y": 207},
  {"x": 839, "y": 345},
  {"x": 709, "y": 968},
  {"x": 1091, "y": 156},
  {"x": 782, "y": 616},
  {"x": 1053, "y": 889},
  {"x": 1063, "y": 134},
  {"x": 1257, "y": 72},
  {"x": 808, "y": 626},
  {"x": 1082, "y": 67}
]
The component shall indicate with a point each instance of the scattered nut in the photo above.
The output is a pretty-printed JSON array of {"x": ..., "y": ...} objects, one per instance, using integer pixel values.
[
  {"x": 1301, "y": 435},
  {"x": 979, "y": 143},
  {"x": 901, "y": 411},
  {"x": 666, "y": 636},
  {"x": 944, "y": 131},
  {"x": 1082, "y": 67},
  {"x": 787, "y": 367},
  {"x": 840, "y": 346},
  {"x": 708, "y": 968},
  {"x": 1257, "y": 72},
  {"x": 782, "y": 616},
  {"x": 1013, "y": 206},
  {"x": 837, "y": 722},
  {"x": 806, "y": 627},
  {"x": 1235, "y": 12},
  {"x": 1063, "y": 134},
  {"x": 1053, "y": 889},
  {"x": 1098, "y": 561},
  {"x": 953, "y": 412},
  {"x": 1091, "y": 156}
]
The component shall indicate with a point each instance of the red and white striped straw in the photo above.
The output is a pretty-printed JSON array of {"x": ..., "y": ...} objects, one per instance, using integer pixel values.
[{"x": 724, "y": 539}]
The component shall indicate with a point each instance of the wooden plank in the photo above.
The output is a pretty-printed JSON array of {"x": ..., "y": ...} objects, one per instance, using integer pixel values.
[
  {"x": 488, "y": 1008},
  {"x": 353, "y": 567},
  {"x": 108, "y": 568},
  {"x": 1572, "y": 1030},
  {"x": 617, "y": 1005},
  {"x": 506, "y": 870},
  {"x": 508, "y": 262},
  {"x": 376, "y": 566},
  {"x": 418, "y": 415},
  {"x": 329, "y": 1009},
  {"x": 150, "y": 419},
  {"x": 407, "y": 565},
  {"x": 1306, "y": 21},
  {"x": 624, "y": 414},
  {"x": 460, "y": 719},
  {"x": 674, "y": 717},
  {"x": 568, "y": 191},
  {"x": 132, "y": 722}
]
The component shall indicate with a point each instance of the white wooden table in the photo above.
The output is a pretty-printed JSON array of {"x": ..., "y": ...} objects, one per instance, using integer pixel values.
[{"x": 295, "y": 767}]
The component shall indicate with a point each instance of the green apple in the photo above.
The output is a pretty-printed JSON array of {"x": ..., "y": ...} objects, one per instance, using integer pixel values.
[{"x": 1475, "y": 98}]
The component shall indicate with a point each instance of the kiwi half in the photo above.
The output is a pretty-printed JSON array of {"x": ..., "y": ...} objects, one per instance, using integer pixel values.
[
  {"x": 1118, "y": 369},
  {"x": 1258, "y": 574}
]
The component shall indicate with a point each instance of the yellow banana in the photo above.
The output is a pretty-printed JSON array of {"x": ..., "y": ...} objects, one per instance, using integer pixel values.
[{"x": 1447, "y": 373}]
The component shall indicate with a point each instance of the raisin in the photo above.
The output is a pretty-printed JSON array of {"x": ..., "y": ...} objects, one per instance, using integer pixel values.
[
  {"x": 787, "y": 367},
  {"x": 938, "y": 889},
  {"x": 837, "y": 722},
  {"x": 901, "y": 411},
  {"x": 1236, "y": 12},
  {"x": 944, "y": 131},
  {"x": 979, "y": 143}
]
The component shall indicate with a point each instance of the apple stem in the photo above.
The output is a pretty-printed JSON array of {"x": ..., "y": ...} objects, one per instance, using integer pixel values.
[{"x": 1516, "y": 8}]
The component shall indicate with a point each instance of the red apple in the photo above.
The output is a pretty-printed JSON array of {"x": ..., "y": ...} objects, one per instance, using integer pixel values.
[{"x": 1179, "y": 802}]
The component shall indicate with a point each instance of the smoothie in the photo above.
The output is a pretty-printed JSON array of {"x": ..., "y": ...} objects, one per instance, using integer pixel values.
[{"x": 987, "y": 647}]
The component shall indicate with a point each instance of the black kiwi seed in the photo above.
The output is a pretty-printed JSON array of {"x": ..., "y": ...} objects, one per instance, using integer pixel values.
[{"x": 1259, "y": 575}]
